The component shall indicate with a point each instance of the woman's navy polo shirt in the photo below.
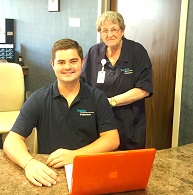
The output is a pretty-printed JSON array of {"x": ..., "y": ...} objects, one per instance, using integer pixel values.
[
  {"x": 61, "y": 127},
  {"x": 132, "y": 70}
]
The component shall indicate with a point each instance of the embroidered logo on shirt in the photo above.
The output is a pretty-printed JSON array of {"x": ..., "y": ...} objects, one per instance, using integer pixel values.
[
  {"x": 83, "y": 112},
  {"x": 126, "y": 71}
]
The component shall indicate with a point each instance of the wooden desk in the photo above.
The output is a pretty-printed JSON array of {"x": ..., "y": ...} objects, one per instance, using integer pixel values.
[
  {"x": 172, "y": 174},
  {"x": 25, "y": 69}
]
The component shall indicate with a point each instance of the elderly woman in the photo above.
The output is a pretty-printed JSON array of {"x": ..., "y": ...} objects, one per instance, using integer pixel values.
[{"x": 122, "y": 69}]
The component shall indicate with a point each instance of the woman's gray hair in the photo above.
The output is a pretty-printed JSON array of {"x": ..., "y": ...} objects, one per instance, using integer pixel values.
[{"x": 113, "y": 16}]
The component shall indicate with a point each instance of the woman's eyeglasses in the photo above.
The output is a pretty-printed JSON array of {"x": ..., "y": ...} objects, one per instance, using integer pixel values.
[{"x": 113, "y": 31}]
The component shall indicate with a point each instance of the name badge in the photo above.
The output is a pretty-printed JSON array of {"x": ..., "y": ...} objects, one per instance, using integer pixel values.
[{"x": 101, "y": 77}]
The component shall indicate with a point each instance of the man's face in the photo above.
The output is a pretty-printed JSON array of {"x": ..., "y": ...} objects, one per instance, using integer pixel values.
[{"x": 67, "y": 65}]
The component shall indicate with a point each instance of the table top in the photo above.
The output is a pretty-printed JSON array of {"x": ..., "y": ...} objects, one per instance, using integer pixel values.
[{"x": 172, "y": 174}]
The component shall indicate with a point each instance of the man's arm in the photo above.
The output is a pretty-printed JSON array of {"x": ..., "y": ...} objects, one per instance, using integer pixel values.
[
  {"x": 108, "y": 141},
  {"x": 37, "y": 172}
]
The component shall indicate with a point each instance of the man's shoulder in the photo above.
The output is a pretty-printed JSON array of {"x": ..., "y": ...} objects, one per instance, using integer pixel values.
[
  {"x": 91, "y": 89},
  {"x": 45, "y": 90}
]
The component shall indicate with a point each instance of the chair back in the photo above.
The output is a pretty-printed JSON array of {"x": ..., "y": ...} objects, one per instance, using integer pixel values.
[{"x": 11, "y": 87}]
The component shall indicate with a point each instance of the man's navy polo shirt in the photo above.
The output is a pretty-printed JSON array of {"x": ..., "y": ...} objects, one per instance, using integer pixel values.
[{"x": 60, "y": 126}]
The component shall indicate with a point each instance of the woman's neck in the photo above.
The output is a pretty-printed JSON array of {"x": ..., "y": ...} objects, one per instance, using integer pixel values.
[
  {"x": 113, "y": 53},
  {"x": 115, "y": 49}
]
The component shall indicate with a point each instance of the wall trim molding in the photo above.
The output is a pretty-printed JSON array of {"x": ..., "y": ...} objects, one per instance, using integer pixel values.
[{"x": 179, "y": 72}]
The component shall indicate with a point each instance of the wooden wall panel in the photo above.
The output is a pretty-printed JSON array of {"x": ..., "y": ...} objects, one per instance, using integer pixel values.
[{"x": 155, "y": 24}]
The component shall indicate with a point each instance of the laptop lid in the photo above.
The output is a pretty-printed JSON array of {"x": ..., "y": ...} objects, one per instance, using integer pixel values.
[{"x": 110, "y": 172}]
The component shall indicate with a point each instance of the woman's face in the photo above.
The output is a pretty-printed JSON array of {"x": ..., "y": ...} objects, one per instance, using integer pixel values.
[{"x": 111, "y": 33}]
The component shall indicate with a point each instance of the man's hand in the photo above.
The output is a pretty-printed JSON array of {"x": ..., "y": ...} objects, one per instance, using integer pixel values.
[
  {"x": 60, "y": 157},
  {"x": 40, "y": 174}
]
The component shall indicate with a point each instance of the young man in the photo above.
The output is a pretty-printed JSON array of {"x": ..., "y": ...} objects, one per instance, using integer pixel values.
[{"x": 71, "y": 118}]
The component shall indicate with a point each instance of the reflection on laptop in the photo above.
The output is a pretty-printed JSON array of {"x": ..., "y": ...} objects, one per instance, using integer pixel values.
[{"x": 110, "y": 172}]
